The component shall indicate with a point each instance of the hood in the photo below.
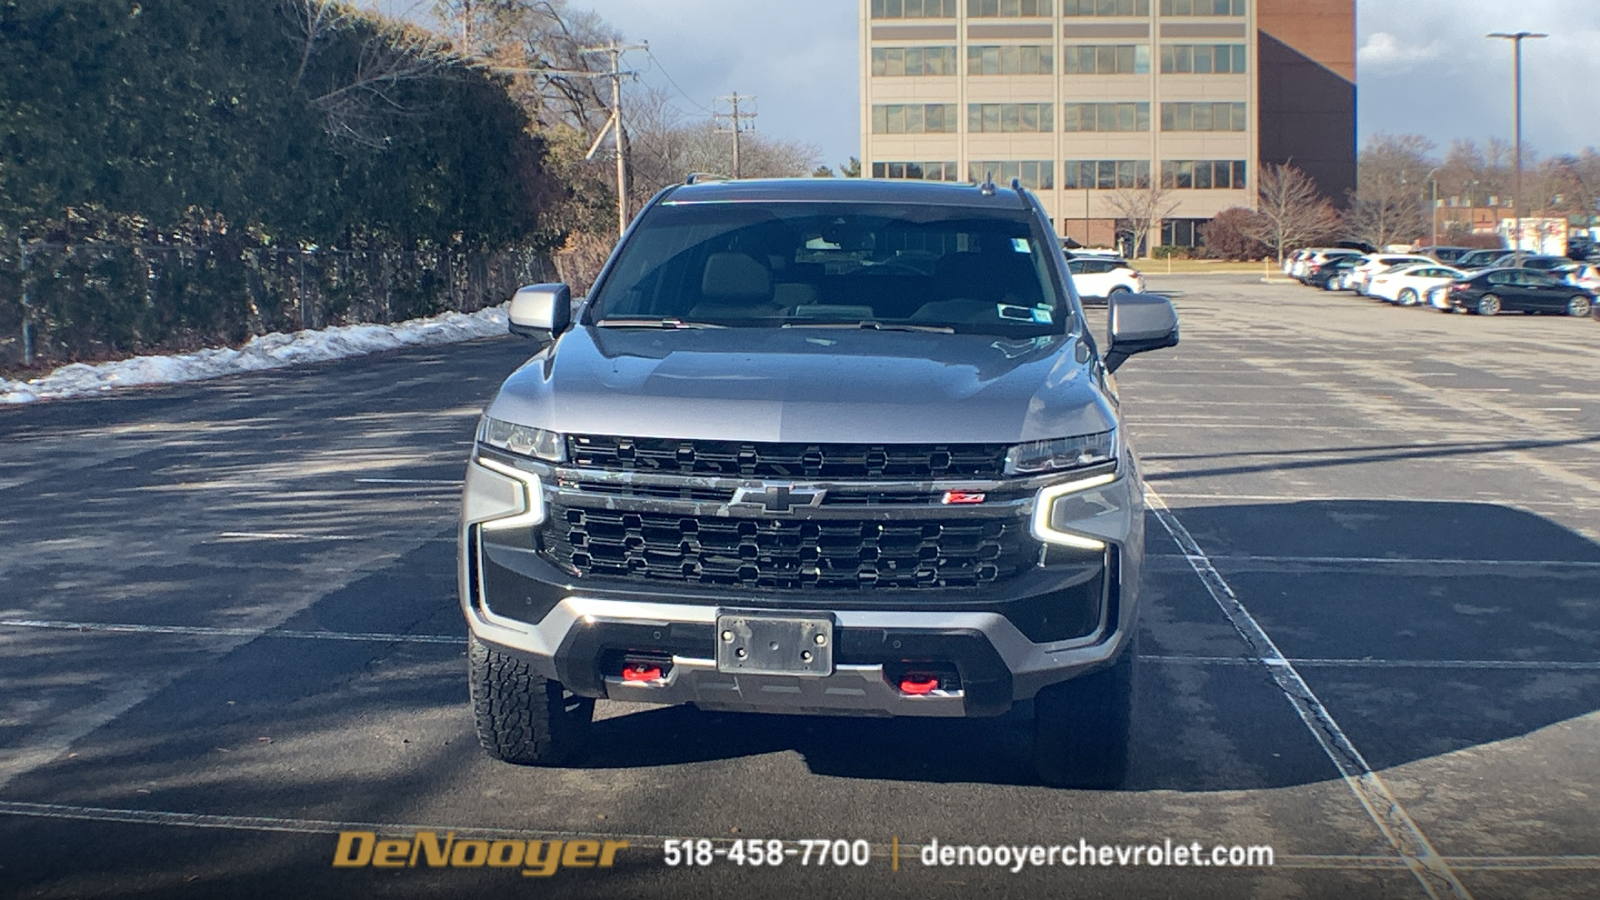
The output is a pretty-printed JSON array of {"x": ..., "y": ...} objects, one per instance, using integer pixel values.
[{"x": 808, "y": 385}]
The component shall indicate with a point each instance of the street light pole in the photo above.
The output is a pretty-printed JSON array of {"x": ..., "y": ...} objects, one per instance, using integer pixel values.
[
  {"x": 1516, "y": 111},
  {"x": 1433, "y": 211}
]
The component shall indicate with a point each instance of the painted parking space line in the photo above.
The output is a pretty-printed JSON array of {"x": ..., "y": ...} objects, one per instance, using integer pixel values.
[
  {"x": 439, "y": 482},
  {"x": 1510, "y": 665},
  {"x": 208, "y": 631},
  {"x": 1418, "y": 853},
  {"x": 1249, "y": 559}
]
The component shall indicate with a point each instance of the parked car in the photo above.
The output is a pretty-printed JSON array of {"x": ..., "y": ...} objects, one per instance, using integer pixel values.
[
  {"x": 950, "y": 452},
  {"x": 1448, "y": 255},
  {"x": 1478, "y": 259},
  {"x": 1584, "y": 275},
  {"x": 1493, "y": 291},
  {"x": 1408, "y": 285},
  {"x": 1318, "y": 258},
  {"x": 1373, "y": 263},
  {"x": 1330, "y": 275},
  {"x": 1097, "y": 278}
]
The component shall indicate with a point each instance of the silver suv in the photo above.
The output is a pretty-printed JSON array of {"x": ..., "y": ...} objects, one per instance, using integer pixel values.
[{"x": 833, "y": 447}]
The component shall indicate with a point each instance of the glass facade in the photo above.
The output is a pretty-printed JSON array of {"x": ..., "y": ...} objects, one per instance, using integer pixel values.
[
  {"x": 914, "y": 118},
  {"x": 1203, "y": 117},
  {"x": 1105, "y": 7},
  {"x": 1009, "y": 9},
  {"x": 1106, "y": 117},
  {"x": 1010, "y": 117},
  {"x": 914, "y": 9},
  {"x": 1105, "y": 174},
  {"x": 1203, "y": 7},
  {"x": 1106, "y": 59},
  {"x": 913, "y": 61},
  {"x": 1028, "y": 59},
  {"x": 1203, "y": 174},
  {"x": 1202, "y": 59},
  {"x": 1035, "y": 174},
  {"x": 917, "y": 171}
]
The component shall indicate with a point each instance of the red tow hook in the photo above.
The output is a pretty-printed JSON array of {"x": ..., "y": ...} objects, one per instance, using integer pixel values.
[
  {"x": 640, "y": 672},
  {"x": 918, "y": 685}
]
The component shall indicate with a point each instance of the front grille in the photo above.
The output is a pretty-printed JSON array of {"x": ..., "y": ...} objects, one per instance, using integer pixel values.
[
  {"x": 787, "y": 460},
  {"x": 787, "y": 554}
]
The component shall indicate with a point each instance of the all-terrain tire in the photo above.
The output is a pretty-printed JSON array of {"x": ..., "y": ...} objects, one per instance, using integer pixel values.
[
  {"x": 523, "y": 717},
  {"x": 1081, "y": 728}
]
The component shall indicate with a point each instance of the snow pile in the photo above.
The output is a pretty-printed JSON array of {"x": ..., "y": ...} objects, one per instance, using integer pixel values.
[{"x": 268, "y": 351}]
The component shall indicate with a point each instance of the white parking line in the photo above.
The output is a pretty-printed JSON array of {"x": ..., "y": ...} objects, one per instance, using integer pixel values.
[
  {"x": 1515, "y": 665},
  {"x": 435, "y": 481},
  {"x": 207, "y": 631},
  {"x": 1388, "y": 560},
  {"x": 1418, "y": 853}
]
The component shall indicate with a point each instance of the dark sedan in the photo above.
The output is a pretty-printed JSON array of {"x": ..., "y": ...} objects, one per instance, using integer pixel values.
[
  {"x": 1327, "y": 275},
  {"x": 1523, "y": 290}
]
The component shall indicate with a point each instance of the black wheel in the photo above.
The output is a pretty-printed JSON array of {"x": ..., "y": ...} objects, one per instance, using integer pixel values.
[
  {"x": 1488, "y": 305},
  {"x": 1327, "y": 285},
  {"x": 1080, "y": 728},
  {"x": 1578, "y": 306},
  {"x": 1119, "y": 289},
  {"x": 523, "y": 717},
  {"x": 1408, "y": 297}
]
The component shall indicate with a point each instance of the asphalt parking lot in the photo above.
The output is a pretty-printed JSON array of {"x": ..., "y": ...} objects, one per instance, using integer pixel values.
[{"x": 1371, "y": 640}]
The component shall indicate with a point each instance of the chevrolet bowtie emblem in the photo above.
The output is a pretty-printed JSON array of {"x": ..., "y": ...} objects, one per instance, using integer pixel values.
[{"x": 780, "y": 497}]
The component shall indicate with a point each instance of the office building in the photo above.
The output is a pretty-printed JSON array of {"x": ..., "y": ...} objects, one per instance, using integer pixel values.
[{"x": 1081, "y": 99}]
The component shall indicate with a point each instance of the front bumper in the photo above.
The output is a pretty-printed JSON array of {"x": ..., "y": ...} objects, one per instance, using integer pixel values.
[{"x": 992, "y": 646}]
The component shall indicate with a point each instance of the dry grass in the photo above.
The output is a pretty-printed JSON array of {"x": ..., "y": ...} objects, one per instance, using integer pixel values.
[{"x": 1193, "y": 266}]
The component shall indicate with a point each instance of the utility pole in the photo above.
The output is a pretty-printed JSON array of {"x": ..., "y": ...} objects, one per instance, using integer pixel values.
[
  {"x": 614, "y": 125},
  {"x": 1516, "y": 111},
  {"x": 735, "y": 118}
]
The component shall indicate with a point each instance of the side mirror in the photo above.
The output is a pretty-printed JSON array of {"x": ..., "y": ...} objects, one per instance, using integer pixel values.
[
  {"x": 541, "y": 311},
  {"x": 1139, "y": 323}
]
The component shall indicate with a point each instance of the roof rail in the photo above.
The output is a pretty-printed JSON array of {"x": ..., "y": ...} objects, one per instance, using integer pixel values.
[{"x": 697, "y": 177}]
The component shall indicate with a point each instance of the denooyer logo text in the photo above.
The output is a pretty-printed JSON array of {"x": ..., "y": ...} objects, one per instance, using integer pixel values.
[{"x": 537, "y": 859}]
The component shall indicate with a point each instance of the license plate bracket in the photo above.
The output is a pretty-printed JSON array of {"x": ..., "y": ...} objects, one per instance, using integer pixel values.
[{"x": 758, "y": 644}]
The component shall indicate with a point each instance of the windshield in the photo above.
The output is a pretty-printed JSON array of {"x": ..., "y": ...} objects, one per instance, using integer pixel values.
[{"x": 815, "y": 265}]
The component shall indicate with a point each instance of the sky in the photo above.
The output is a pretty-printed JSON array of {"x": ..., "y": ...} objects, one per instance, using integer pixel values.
[{"x": 1424, "y": 66}]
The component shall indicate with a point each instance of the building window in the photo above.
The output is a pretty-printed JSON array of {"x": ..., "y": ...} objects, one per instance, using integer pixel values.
[
  {"x": 1203, "y": 174},
  {"x": 1105, "y": 174},
  {"x": 917, "y": 171},
  {"x": 1010, "y": 117},
  {"x": 913, "y": 61},
  {"x": 1183, "y": 232},
  {"x": 1106, "y": 117},
  {"x": 1202, "y": 7},
  {"x": 1203, "y": 117},
  {"x": 914, "y": 9},
  {"x": 1105, "y": 7},
  {"x": 1021, "y": 60},
  {"x": 1008, "y": 9},
  {"x": 914, "y": 118},
  {"x": 1035, "y": 174},
  {"x": 1106, "y": 59},
  {"x": 1202, "y": 59}
]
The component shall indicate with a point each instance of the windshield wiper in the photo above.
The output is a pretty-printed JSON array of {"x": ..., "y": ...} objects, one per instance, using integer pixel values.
[
  {"x": 873, "y": 325},
  {"x": 642, "y": 322}
]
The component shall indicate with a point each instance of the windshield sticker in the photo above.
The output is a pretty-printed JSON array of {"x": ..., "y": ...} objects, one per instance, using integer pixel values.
[
  {"x": 1020, "y": 245},
  {"x": 1034, "y": 314}
]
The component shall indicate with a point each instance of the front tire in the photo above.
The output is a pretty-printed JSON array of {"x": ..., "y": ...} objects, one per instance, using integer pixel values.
[
  {"x": 523, "y": 717},
  {"x": 1081, "y": 728},
  {"x": 1578, "y": 306},
  {"x": 1488, "y": 305}
]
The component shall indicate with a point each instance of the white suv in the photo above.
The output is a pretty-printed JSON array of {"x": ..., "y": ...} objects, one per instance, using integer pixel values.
[{"x": 1098, "y": 277}]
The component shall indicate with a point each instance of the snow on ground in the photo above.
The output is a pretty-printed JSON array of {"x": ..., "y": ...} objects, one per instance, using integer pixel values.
[{"x": 268, "y": 351}]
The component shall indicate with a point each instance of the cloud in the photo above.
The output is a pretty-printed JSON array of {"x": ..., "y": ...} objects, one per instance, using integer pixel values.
[{"x": 1384, "y": 51}]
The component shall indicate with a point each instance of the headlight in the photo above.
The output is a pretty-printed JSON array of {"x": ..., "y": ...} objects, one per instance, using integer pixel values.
[
  {"x": 1062, "y": 454},
  {"x": 523, "y": 440}
]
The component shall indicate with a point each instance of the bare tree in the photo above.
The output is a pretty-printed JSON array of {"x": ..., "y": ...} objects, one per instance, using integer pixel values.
[
  {"x": 1143, "y": 206},
  {"x": 1290, "y": 211},
  {"x": 311, "y": 23},
  {"x": 1390, "y": 204}
]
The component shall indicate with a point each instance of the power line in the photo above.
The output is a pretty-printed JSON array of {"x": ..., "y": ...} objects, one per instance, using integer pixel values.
[{"x": 674, "y": 83}]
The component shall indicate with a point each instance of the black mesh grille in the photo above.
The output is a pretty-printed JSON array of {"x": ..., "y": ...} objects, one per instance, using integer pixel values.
[
  {"x": 772, "y": 460},
  {"x": 780, "y": 554}
]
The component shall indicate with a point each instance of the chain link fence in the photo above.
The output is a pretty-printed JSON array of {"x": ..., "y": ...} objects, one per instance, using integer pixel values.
[{"x": 66, "y": 302}]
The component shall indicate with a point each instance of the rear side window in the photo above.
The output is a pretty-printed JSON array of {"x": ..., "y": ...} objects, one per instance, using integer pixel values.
[{"x": 818, "y": 264}]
